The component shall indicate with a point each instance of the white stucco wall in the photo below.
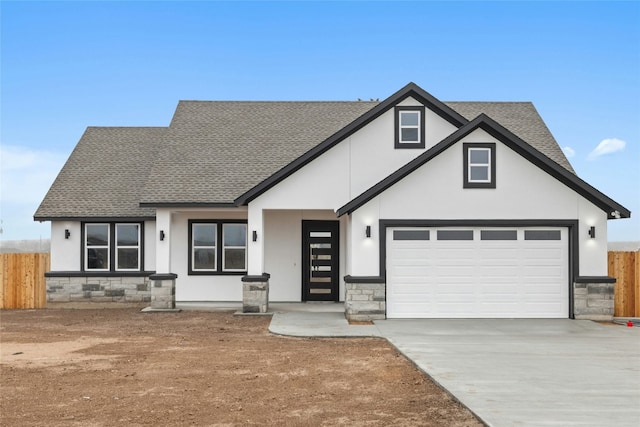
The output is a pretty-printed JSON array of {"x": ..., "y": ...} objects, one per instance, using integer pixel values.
[
  {"x": 65, "y": 253},
  {"x": 150, "y": 239},
  {"x": 523, "y": 191},
  {"x": 197, "y": 287},
  {"x": 373, "y": 155}
]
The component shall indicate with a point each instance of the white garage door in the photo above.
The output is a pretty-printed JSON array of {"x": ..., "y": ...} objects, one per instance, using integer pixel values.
[{"x": 477, "y": 272}]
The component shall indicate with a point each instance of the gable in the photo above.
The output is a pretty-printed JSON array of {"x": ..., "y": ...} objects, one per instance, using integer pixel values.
[
  {"x": 523, "y": 120},
  {"x": 411, "y": 90},
  {"x": 495, "y": 130}
]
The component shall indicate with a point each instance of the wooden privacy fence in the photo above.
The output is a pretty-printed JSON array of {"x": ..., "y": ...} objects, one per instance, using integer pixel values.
[
  {"x": 22, "y": 277},
  {"x": 625, "y": 267}
]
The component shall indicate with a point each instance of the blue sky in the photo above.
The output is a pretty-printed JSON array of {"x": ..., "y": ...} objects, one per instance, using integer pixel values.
[{"x": 68, "y": 65}]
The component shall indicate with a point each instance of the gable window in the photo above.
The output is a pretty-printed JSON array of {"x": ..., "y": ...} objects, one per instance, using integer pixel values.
[
  {"x": 479, "y": 161},
  {"x": 409, "y": 127},
  {"x": 112, "y": 246},
  {"x": 217, "y": 247}
]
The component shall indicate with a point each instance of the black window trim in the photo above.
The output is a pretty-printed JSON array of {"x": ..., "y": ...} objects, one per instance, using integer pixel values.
[
  {"x": 219, "y": 248},
  {"x": 421, "y": 130},
  {"x": 112, "y": 248},
  {"x": 465, "y": 165}
]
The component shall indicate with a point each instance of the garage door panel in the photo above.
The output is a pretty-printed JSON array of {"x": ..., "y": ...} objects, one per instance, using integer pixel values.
[
  {"x": 542, "y": 253},
  {"x": 412, "y": 253},
  {"x": 453, "y": 271},
  {"x": 455, "y": 292},
  {"x": 542, "y": 289},
  {"x": 413, "y": 271},
  {"x": 502, "y": 307},
  {"x": 504, "y": 291},
  {"x": 453, "y": 249},
  {"x": 499, "y": 270},
  {"x": 417, "y": 288},
  {"x": 479, "y": 278},
  {"x": 498, "y": 254},
  {"x": 543, "y": 309},
  {"x": 543, "y": 271}
]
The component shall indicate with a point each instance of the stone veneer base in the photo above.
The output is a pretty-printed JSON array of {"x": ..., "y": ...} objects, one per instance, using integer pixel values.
[
  {"x": 593, "y": 300},
  {"x": 364, "y": 299},
  {"x": 163, "y": 291},
  {"x": 255, "y": 294},
  {"x": 98, "y": 289}
]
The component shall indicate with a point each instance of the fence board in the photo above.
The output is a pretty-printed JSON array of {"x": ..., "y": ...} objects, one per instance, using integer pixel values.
[
  {"x": 22, "y": 283},
  {"x": 637, "y": 285},
  {"x": 625, "y": 267}
]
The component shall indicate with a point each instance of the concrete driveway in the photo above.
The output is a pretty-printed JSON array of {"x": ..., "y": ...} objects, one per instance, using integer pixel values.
[{"x": 512, "y": 372}]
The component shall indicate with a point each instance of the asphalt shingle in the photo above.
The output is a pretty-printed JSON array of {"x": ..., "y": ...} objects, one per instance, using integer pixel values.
[
  {"x": 214, "y": 151},
  {"x": 522, "y": 119},
  {"x": 104, "y": 175}
]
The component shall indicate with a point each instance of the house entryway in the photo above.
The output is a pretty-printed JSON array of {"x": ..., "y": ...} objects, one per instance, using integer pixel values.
[{"x": 320, "y": 260}]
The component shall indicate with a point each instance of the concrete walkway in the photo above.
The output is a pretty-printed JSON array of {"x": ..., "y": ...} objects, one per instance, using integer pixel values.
[{"x": 509, "y": 372}]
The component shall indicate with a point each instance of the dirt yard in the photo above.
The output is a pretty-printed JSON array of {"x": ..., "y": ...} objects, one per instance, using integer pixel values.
[{"x": 104, "y": 367}]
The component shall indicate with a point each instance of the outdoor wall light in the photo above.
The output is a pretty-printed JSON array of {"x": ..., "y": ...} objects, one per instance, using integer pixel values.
[
  {"x": 255, "y": 236},
  {"x": 592, "y": 232},
  {"x": 161, "y": 234},
  {"x": 367, "y": 231},
  {"x": 67, "y": 233}
]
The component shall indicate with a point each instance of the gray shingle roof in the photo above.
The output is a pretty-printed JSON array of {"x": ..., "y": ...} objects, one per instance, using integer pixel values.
[
  {"x": 219, "y": 150},
  {"x": 105, "y": 175},
  {"x": 214, "y": 151},
  {"x": 522, "y": 119}
]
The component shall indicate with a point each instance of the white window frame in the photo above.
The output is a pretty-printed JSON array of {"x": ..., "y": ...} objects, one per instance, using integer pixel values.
[
  {"x": 401, "y": 126},
  {"x": 488, "y": 165},
  {"x": 138, "y": 247},
  {"x": 224, "y": 247},
  {"x": 214, "y": 247},
  {"x": 87, "y": 247}
]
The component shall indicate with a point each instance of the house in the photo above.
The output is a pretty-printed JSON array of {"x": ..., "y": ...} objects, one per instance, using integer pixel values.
[{"x": 409, "y": 207}]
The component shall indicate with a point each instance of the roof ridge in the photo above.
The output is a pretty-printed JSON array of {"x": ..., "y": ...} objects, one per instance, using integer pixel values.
[
  {"x": 490, "y": 102},
  {"x": 273, "y": 101},
  {"x": 127, "y": 127}
]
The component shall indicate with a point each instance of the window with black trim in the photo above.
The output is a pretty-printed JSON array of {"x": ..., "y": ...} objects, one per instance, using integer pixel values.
[
  {"x": 112, "y": 246},
  {"x": 409, "y": 127},
  {"x": 479, "y": 160},
  {"x": 217, "y": 247}
]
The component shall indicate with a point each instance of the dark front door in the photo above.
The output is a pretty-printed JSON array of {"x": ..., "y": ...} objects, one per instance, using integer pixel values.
[{"x": 320, "y": 260}]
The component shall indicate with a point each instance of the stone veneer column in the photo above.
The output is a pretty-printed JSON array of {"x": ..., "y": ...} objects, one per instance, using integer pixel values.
[
  {"x": 365, "y": 298},
  {"x": 593, "y": 298},
  {"x": 163, "y": 291},
  {"x": 255, "y": 293}
]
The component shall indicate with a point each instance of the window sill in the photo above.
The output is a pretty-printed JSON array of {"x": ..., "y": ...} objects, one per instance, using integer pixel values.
[
  {"x": 479, "y": 185},
  {"x": 98, "y": 273},
  {"x": 217, "y": 273},
  {"x": 410, "y": 145}
]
